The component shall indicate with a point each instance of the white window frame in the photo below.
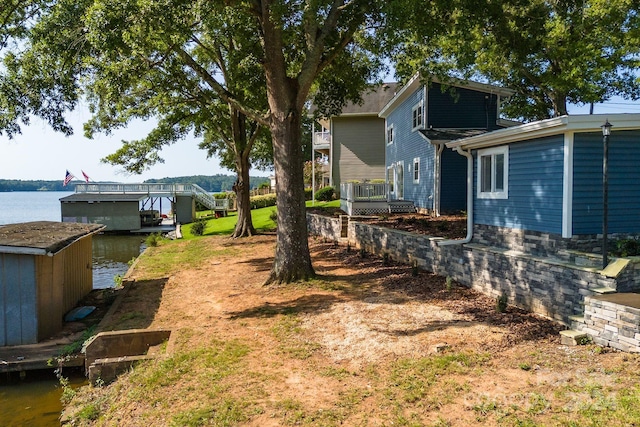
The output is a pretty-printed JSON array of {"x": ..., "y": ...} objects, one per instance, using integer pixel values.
[
  {"x": 416, "y": 170},
  {"x": 390, "y": 134},
  {"x": 417, "y": 116},
  {"x": 492, "y": 154}
]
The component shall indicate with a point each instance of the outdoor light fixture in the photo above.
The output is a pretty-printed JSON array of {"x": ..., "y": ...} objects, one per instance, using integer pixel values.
[{"x": 606, "y": 132}]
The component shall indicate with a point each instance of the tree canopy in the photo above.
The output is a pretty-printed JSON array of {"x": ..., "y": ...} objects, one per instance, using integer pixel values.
[{"x": 551, "y": 52}]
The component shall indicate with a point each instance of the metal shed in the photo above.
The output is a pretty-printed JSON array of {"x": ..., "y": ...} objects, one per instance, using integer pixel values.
[{"x": 45, "y": 269}]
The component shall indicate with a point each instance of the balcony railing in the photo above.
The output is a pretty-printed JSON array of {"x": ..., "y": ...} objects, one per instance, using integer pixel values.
[{"x": 322, "y": 139}]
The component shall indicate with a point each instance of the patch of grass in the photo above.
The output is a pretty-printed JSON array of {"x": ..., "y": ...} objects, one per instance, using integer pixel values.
[
  {"x": 319, "y": 204},
  {"x": 292, "y": 341},
  {"x": 228, "y": 412},
  {"x": 261, "y": 218},
  {"x": 90, "y": 412},
  {"x": 412, "y": 380},
  {"x": 176, "y": 255},
  {"x": 76, "y": 346}
]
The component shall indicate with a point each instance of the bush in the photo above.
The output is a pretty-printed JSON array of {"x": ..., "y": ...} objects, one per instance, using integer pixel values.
[
  {"x": 197, "y": 228},
  {"x": 325, "y": 194},
  {"x": 263, "y": 201},
  {"x": 273, "y": 216}
]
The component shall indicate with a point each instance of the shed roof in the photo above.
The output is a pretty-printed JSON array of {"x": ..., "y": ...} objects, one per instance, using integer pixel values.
[
  {"x": 42, "y": 237},
  {"x": 103, "y": 197}
]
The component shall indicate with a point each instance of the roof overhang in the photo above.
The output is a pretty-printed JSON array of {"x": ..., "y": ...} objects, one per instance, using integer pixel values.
[
  {"x": 558, "y": 125},
  {"x": 416, "y": 81}
]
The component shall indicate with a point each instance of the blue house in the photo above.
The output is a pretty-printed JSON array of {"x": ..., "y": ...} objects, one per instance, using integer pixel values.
[
  {"x": 537, "y": 187},
  {"x": 419, "y": 120}
]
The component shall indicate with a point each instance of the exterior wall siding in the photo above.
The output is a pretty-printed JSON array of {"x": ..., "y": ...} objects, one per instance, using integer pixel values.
[
  {"x": 535, "y": 189},
  {"x": 408, "y": 145},
  {"x": 624, "y": 176},
  {"x": 18, "y": 317},
  {"x": 458, "y": 107},
  {"x": 358, "y": 144},
  {"x": 114, "y": 215}
]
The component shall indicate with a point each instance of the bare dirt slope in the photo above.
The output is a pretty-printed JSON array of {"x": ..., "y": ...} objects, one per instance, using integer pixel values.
[{"x": 365, "y": 344}]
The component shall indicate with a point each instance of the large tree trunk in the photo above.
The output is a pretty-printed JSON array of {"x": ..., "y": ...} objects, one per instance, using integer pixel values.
[
  {"x": 292, "y": 260},
  {"x": 244, "y": 226}
]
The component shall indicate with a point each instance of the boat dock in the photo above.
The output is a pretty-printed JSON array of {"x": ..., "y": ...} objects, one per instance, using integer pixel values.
[{"x": 127, "y": 207}]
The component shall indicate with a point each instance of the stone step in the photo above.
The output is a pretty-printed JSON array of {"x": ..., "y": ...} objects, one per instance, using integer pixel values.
[
  {"x": 603, "y": 290},
  {"x": 576, "y": 322},
  {"x": 572, "y": 337}
]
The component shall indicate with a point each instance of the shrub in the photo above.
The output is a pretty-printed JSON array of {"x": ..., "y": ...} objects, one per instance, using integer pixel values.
[
  {"x": 501, "y": 303},
  {"x": 627, "y": 247},
  {"x": 153, "y": 239},
  {"x": 263, "y": 201},
  {"x": 325, "y": 194},
  {"x": 197, "y": 228},
  {"x": 273, "y": 216}
]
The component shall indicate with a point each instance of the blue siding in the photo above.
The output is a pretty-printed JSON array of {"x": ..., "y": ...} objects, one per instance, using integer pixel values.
[
  {"x": 624, "y": 179},
  {"x": 535, "y": 188},
  {"x": 408, "y": 145},
  {"x": 18, "y": 317},
  {"x": 461, "y": 108},
  {"x": 453, "y": 183}
]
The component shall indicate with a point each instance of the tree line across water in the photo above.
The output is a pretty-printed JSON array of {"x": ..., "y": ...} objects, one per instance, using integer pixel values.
[{"x": 214, "y": 184}]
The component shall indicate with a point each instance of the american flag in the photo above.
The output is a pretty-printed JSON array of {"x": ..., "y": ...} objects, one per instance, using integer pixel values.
[
  {"x": 86, "y": 177},
  {"x": 67, "y": 178}
]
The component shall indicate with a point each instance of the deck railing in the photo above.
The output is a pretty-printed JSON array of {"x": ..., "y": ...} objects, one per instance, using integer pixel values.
[
  {"x": 356, "y": 192},
  {"x": 168, "y": 190}
]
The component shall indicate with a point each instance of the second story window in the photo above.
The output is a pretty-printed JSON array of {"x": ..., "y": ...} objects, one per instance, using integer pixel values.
[
  {"x": 417, "y": 116},
  {"x": 390, "y": 134}
]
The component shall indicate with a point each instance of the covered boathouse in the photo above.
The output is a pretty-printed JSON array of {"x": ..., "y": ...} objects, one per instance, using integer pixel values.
[
  {"x": 123, "y": 207},
  {"x": 45, "y": 269}
]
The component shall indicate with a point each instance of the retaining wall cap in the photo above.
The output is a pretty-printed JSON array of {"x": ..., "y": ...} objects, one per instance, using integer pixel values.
[
  {"x": 615, "y": 268},
  {"x": 625, "y": 299}
]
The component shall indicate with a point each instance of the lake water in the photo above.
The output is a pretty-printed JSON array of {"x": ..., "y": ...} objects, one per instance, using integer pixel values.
[{"x": 35, "y": 400}]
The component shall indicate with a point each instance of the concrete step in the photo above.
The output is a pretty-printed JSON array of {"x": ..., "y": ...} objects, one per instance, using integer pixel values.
[{"x": 573, "y": 337}]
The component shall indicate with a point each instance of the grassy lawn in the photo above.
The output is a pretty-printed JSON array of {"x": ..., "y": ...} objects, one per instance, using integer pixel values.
[{"x": 261, "y": 220}]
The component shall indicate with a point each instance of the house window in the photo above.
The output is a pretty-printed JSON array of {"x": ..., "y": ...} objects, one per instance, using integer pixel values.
[
  {"x": 416, "y": 170},
  {"x": 417, "y": 116},
  {"x": 390, "y": 178},
  {"x": 390, "y": 134},
  {"x": 493, "y": 170}
]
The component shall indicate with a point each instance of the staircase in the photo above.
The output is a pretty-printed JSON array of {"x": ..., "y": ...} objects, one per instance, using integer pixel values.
[{"x": 206, "y": 199}]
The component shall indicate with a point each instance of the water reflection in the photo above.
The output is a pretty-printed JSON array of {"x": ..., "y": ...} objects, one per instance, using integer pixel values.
[{"x": 111, "y": 256}]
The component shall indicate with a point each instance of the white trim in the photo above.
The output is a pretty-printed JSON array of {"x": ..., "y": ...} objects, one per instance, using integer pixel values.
[
  {"x": 389, "y": 128},
  {"x": 542, "y": 128},
  {"x": 567, "y": 187},
  {"x": 415, "y": 117},
  {"x": 504, "y": 193},
  {"x": 416, "y": 161},
  {"x": 391, "y": 173}
]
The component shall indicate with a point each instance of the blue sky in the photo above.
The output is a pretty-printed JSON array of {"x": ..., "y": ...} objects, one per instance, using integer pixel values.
[{"x": 40, "y": 153}]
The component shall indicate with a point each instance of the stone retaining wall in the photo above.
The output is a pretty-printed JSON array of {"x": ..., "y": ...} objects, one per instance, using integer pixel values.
[
  {"x": 548, "y": 286},
  {"x": 613, "y": 320}
]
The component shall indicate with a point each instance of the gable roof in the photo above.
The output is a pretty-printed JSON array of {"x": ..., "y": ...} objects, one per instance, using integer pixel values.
[
  {"x": 372, "y": 101},
  {"x": 548, "y": 127},
  {"x": 416, "y": 82}
]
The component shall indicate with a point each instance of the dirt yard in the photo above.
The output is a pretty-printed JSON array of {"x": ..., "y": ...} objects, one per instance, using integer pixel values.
[{"x": 365, "y": 344}]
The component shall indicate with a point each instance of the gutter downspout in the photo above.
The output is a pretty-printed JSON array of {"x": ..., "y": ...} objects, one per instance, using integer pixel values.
[
  {"x": 469, "y": 236},
  {"x": 437, "y": 184}
]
